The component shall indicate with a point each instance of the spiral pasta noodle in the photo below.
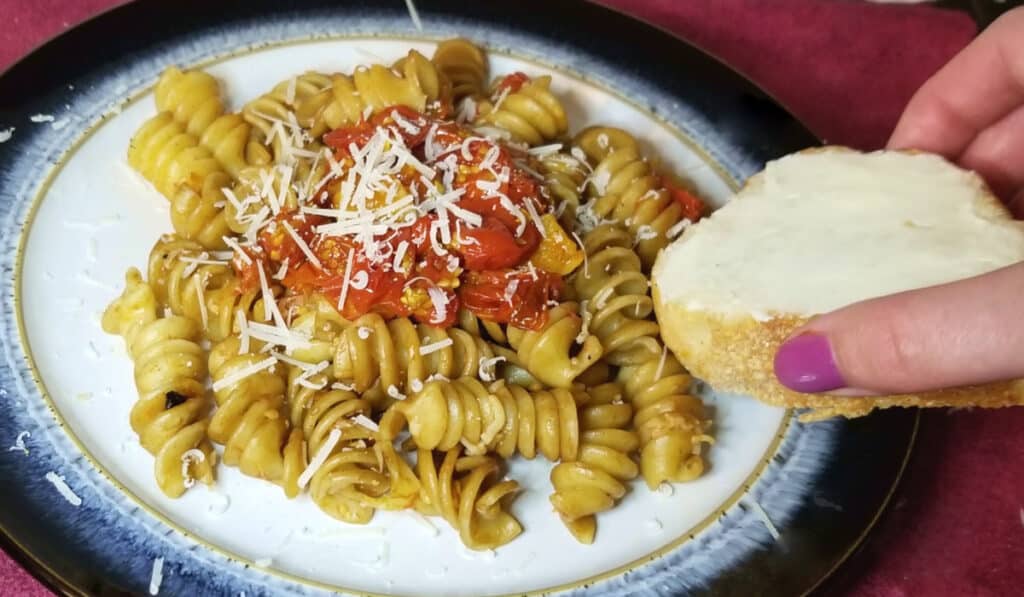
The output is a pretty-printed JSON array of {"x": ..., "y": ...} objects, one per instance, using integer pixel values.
[
  {"x": 168, "y": 156},
  {"x": 597, "y": 479},
  {"x": 194, "y": 99},
  {"x": 550, "y": 354},
  {"x": 412, "y": 82},
  {"x": 617, "y": 298},
  {"x": 564, "y": 178},
  {"x": 170, "y": 415},
  {"x": 387, "y": 354},
  {"x": 464, "y": 490},
  {"x": 501, "y": 418},
  {"x": 670, "y": 421},
  {"x": 626, "y": 190},
  {"x": 284, "y": 109},
  {"x": 207, "y": 293},
  {"x": 464, "y": 64},
  {"x": 357, "y": 476},
  {"x": 250, "y": 420},
  {"x": 531, "y": 115}
]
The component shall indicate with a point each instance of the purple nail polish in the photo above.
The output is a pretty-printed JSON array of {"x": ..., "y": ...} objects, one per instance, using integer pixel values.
[{"x": 805, "y": 364}]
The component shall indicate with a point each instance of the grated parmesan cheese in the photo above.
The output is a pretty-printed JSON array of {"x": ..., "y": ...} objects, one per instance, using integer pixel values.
[
  {"x": 188, "y": 458},
  {"x": 237, "y": 376},
  {"x": 364, "y": 421},
  {"x": 414, "y": 15},
  {"x": 62, "y": 488},
  {"x": 6, "y": 134},
  {"x": 395, "y": 393},
  {"x": 678, "y": 228},
  {"x": 321, "y": 457},
  {"x": 156, "y": 577},
  {"x": 426, "y": 349},
  {"x": 486, "y": 367},
  {"x": 772, "y": 530},
  {"x": 302, "y": 245},
  {"x": 41, "y": 118},
  {"x": 661, "y": 362},
  {"x": 19, "y": 443}
]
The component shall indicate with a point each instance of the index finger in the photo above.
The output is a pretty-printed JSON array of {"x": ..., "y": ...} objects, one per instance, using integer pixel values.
[{"x": 980, "y": 85}]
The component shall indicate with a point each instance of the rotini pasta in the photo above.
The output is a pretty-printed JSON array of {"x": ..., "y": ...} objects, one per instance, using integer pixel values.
[
  {"x": 203, "y": 289},
  {"x": 464, "y": 491},
  {"x": 670, "y": 421},
  {"x": 281, "y": 114},
  {"x": 626, "y": 190},
  {"x": 616, "y": 296},
  {"x": 413, "y": 82},
  {"x": 170, "y": 415},
  {"x": 547, "y": 353},
  {"x": 503, "y": 419},
  {"x": 250, "y": 420},
  {"x": 403, "y": 278},
  {"x": 531, "y": 113},
  {"x": 595, "y": 481},
  {"x": 464, "y": 64},
  {"x": 389, "y": 354}
]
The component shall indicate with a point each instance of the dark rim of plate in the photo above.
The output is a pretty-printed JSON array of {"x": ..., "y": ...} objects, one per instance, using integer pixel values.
[{"x": 874, "y": 448}]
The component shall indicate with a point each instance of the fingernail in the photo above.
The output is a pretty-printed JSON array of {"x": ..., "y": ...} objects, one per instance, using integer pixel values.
[{"x": 805, "y": 363}]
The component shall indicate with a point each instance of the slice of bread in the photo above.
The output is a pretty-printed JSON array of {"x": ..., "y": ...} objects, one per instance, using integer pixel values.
[{"x": 815, "y": 231}]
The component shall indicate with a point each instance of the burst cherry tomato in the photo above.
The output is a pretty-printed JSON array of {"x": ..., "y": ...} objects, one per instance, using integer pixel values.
[
  {"x": 513, "y": 82},
  {"x": 510, "y": 296},
  {"x": 693, "y": 206},
  {"x": 494, "y": 245}
]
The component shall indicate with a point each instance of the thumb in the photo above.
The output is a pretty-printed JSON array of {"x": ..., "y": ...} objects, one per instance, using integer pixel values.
[{"x": 962, "y": 333}]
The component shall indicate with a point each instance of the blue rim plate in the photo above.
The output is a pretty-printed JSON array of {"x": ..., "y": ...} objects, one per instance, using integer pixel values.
[{"x": 821, "y": 486}]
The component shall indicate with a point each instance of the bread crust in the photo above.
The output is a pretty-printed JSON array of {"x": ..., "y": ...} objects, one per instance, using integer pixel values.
[{"x": 736, "y": 353}]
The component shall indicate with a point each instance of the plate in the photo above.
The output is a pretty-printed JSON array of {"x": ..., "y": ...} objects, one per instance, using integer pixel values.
[{"x": 782, "y": 505}]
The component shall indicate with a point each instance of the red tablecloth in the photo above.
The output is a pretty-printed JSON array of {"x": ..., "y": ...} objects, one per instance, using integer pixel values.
[{"x": 845, "y": 68}]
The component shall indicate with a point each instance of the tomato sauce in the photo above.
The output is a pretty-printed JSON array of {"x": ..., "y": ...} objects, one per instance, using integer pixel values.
[{"x": 474, "y": 253}]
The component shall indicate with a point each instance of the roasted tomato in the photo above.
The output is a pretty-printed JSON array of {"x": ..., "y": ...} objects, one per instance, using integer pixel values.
[
  {"x": 279, "y": 244},
  {"x": 513, "y": 82},
  {"x": 693, "y": 207},
  {"x": 495, "y": 246},
  {"x": 517, "y": 297}
]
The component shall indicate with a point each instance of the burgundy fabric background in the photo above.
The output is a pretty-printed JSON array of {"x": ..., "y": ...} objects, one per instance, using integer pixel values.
[{"x": 845, "y": 68}]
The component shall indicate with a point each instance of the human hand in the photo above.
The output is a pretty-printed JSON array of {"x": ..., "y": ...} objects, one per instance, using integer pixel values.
[{"x": 966, "y": 332}]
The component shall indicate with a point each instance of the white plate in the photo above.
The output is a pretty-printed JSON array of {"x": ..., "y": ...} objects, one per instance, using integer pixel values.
[{"x": 98, "y": 217}]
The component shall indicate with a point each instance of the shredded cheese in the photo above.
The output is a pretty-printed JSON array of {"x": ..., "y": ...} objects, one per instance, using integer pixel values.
[
  {"x": 63, "y": 489},
  {"x": 586, "y": 260},
  {"x": 320, "y": 457},
  {"x": 678, "y": 228},
  {"x": 19, "y": 443},
  {"x": 395, "y": 393},
  {"x": 303, "y": 246},
  {"x": 346, "y": 279},
  {"x": 156, "y": 577},
  {"x": 426, "y": 349},
  {"x": 661, "y": 362},
  {"x": 236, "y": 376},
  {"x": 188, "y": 458},
  {"x": 486, "y": 367},
  {"x": 772, "y": 530},
  {"x": 414, "y": 15},
  {"x": 364, "y": 421}
]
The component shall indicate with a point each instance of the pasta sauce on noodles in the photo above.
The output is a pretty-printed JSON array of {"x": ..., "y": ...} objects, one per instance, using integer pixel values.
[{"x": 415, "y": 217}]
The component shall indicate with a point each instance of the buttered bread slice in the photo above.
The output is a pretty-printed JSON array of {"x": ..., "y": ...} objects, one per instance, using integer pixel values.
[{"x": 816, "y": 231}]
